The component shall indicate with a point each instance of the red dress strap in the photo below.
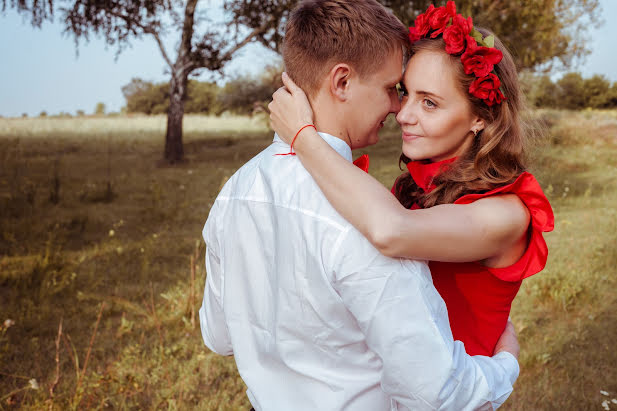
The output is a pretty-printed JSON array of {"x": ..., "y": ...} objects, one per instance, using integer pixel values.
[{"x": 527, "y": 188}]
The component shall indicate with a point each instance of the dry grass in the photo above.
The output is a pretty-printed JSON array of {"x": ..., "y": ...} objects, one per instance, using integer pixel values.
[
  {"x": 138, "y": 127},
  {"x": 90, "y": 225}
]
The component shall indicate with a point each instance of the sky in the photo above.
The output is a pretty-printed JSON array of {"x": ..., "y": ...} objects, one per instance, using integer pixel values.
[{"x": 40, "y": 69}]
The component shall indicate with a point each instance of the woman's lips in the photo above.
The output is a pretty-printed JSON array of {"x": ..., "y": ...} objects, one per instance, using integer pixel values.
[{"x": 407, "y": 137}]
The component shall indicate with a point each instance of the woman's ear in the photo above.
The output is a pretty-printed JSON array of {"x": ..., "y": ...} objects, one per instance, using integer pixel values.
[
  {"x": 477, "y": 125},
  {"x": 339, "y": 79}
]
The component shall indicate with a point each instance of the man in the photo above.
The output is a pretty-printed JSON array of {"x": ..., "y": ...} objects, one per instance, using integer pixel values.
[{"x": 317, "y": 319}]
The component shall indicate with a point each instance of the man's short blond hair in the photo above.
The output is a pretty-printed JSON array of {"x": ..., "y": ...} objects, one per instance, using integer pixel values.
[{"x": 322, "y": 33}]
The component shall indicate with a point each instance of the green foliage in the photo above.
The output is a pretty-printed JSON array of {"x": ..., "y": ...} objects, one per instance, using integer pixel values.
[
  {"x": 146, "y": 97},
  {"x": 241, "y": 95},
  {"x": 249, "y": 94},
  {"x": 539, "y": 90},
  {"x": 99, "y": 110},
  {"x": 153, "y": 98},
  {"x": 572, "y": 91},
  {"x": 538, "y": 32},
  {"x": 597, "y": 91},
  {"x": 202, "y": 97}
]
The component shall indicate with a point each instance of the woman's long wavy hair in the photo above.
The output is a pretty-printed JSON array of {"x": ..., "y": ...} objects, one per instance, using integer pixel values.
[{"x": 497, "y": 155}]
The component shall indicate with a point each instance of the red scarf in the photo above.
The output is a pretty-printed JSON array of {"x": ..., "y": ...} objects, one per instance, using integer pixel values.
[
  {"x": 362, "y": 162},
  {"x": 424, "y": 173}
]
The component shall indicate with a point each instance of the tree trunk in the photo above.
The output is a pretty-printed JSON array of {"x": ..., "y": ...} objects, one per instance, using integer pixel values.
[{"x": 174, "y": 149}]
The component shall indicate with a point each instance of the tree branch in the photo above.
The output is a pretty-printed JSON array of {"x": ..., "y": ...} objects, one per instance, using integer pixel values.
[
  {"x": 161, "y": 47},
  {"x": 244, "y": 42},
  {"x": 147, "y": 30}
]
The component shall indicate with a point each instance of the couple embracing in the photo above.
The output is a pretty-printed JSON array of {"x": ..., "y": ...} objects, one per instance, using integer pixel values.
[{"x": 334, "y": 293}]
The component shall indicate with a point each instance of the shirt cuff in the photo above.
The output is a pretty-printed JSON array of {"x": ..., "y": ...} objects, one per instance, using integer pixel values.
[{"x": 509, "y": 363}]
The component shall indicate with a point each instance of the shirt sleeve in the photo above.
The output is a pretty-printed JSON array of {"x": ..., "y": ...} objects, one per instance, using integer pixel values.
[
  {"x": 211, "y": 314},
  {"x": 405, "y": 322}
]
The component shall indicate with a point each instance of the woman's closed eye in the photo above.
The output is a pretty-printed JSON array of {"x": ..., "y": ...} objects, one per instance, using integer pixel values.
[{"x": 402, "y": 91}]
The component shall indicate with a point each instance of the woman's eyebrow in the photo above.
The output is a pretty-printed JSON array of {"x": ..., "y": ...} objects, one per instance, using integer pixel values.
[{"x": 428, "y": 93}]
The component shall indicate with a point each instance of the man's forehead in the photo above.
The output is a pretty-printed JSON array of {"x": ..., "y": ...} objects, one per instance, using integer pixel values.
[{"x": 393, "y": 68}]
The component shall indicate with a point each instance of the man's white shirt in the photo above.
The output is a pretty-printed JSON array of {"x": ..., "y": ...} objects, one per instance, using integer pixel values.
[{"x": 316, "y": 317}]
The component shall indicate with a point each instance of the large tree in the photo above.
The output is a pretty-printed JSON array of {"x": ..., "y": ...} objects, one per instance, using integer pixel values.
[
  {"x": 539, "y": 32},
  {"x": 201, "y": 43}
]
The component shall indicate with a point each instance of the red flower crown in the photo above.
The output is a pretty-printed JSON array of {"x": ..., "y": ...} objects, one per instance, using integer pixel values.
[{"x": 478, "y": 54}]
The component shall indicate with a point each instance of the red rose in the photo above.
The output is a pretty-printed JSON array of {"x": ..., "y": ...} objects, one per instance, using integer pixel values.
[
  {"x": 455, "y": 35},
  {"x": 413, "y": 35},
  {"x": 422, "y": 25},
  {"x": 487, "y": 89},
  {"x": 438, "y": 18},
  {"x": 479, "y": 60},
  {"x": 451, "y": 8}
]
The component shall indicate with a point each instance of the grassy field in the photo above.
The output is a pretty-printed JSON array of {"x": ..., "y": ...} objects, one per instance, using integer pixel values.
[{"x": 101, "y": 270}]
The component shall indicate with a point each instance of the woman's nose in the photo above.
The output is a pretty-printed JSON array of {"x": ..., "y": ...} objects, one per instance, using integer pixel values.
[{"x": 406, "y": 113}]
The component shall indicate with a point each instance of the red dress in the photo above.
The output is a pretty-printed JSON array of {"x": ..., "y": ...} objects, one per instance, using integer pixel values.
[{"x": 479, "y": 297}]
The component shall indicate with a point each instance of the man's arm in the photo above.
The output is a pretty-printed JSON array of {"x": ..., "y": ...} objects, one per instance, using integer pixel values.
[
  {"x": 406, "y": 323},
  {"x": 211, "y": 315}
]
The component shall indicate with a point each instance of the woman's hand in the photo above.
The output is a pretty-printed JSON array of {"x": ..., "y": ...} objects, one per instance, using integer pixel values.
[
  {"x": 508, "y": 341},
  {"x": 290, "y": 110}
]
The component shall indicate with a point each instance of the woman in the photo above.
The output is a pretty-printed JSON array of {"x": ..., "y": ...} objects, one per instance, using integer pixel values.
[{"x": 467, "y": 204}]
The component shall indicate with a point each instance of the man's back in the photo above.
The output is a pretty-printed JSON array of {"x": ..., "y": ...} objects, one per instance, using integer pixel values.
[
  {"x": 317, "y": 319},
  {"x": 294, "y": 340}
]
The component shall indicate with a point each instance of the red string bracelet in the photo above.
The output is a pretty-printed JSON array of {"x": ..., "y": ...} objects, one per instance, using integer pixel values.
[{"x": 291, "y": 147}]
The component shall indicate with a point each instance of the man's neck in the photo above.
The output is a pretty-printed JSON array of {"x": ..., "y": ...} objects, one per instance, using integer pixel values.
[{"x": 328, "y": 119}]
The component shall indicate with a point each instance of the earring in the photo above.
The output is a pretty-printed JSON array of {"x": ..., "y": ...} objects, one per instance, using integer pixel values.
[{"x": 475, "y": 132}]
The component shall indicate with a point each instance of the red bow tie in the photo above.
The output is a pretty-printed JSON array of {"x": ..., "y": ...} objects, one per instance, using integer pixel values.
[{"x": 362, "y": 162}]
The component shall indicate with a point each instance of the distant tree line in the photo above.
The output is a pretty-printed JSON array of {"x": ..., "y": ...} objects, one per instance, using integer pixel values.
[
  {"x": 240, "y": 95},
  {"x": 572, "y": 91},
  {"x": 249, "y": 94}
]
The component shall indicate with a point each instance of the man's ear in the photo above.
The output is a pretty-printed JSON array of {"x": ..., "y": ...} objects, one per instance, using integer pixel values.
[{"x": 339, "y": 81}]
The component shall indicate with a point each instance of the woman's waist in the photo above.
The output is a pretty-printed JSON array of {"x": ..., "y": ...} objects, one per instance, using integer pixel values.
[{"x": 478, "y": 303}]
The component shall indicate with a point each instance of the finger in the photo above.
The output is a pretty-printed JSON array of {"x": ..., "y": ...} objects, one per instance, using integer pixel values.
[
  {"x": 270, "y": 106},
  {"x": 278, "y": 92},
  {"x": 281, "y": 94},
  {"x": 288, "y": 82}
]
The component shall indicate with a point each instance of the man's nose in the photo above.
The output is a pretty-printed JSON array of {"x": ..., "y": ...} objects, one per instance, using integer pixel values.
[{"x": 395, "y": 105}]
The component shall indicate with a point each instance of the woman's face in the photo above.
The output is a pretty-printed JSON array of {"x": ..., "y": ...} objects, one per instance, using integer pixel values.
[{"x": 435, "y": 117}]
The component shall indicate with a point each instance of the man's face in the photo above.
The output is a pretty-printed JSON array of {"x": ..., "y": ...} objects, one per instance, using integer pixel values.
[{"x": 372, "y": 97}]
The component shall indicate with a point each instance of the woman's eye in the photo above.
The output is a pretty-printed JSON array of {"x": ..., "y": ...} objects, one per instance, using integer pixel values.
[{"x": 429, "y": 103}]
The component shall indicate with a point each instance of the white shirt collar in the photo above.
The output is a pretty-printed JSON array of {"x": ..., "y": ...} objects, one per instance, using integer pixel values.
[{"x": 336, "y": 143}]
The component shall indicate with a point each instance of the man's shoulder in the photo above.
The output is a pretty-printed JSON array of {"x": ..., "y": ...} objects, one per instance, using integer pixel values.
[
  {"x": 244, "y": 177},
  {"x": 282, "y": 181}
]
